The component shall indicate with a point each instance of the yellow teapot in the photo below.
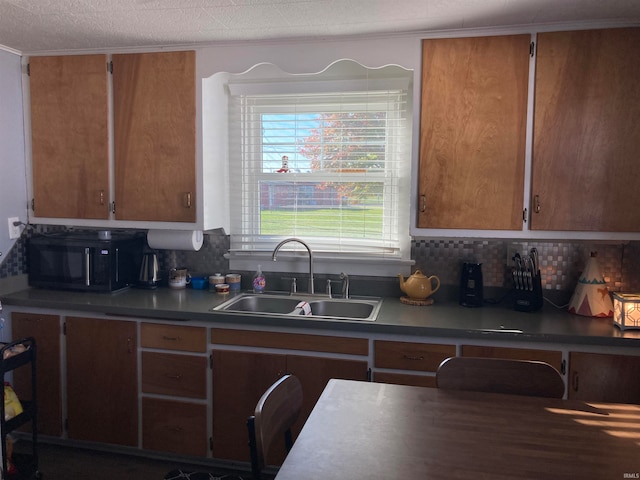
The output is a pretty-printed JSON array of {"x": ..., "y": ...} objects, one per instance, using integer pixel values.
[{"x": 418, "y": 286}]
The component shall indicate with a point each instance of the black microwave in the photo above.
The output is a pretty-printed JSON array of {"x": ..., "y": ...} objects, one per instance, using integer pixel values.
[{"x": 82, "y": 261}]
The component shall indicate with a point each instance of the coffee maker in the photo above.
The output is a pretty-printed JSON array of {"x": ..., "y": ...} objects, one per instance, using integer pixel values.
[{"x": 471, "y": 285}]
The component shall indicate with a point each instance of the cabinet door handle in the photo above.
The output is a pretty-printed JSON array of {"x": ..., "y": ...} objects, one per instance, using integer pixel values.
[
  {"x": 423, "y": 203},
  {"x": 129, "y": 345},
  {"x": 187, "y": 200},
  {"x": 536, "y": 203},
  {"x": 413, "y": 357},
  {"x": 101, "y": 197},
  {"x": 173, "y": 339},
  {"x": 173, "y": 376},
  {"x": 575, "y": 381}
]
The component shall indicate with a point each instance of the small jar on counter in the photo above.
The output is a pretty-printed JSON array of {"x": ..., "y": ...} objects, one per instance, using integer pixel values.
[{"x": 215, "y": 279}]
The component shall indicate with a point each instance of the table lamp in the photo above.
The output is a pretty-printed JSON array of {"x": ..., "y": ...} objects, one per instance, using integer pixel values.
[{"x": 626, "y": 310}]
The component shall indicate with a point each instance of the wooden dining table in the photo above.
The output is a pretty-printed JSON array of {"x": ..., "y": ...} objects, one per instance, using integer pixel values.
[{"x": 362, "y": 430}]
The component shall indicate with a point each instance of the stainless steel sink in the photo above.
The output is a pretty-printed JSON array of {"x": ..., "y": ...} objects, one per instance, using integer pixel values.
[{"x": 356, "y": 308}]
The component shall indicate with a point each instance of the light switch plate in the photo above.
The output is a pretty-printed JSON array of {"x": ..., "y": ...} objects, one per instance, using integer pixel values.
[{"x": 14, "y": 230}]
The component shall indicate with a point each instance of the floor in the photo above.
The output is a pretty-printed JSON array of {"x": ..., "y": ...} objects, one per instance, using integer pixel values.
[{"x": 59, "y": 462}]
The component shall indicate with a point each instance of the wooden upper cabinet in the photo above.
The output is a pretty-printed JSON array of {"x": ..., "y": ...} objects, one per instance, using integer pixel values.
[
  {"x": 472, "y": 132},
  {"x": 587, "y": 131},
  {"x": 155, "y": 136},
  {"x": 70, "y": 136}
]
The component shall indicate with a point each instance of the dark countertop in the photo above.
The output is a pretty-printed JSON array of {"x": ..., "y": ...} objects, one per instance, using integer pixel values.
[{"x": 549, "y": 325}]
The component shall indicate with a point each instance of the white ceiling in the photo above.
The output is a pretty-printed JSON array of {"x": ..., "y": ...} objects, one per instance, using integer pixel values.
[{"x": 32, "y": 26}]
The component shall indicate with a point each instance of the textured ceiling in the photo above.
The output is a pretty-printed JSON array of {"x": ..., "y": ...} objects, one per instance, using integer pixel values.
[{"x": 31, "y": 26}]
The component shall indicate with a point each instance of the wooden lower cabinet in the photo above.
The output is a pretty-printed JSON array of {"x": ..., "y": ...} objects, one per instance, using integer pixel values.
[
  {"x": 45, "y": 329},
  {"x": 598, "y": 377},
  {"x": 102, "y": 381},
  {"x": 174, "y": 426},
  {"x": 239, "y": 380},
  {"x": 176, "y": 423},
  {"x": 241, "y": 377}
]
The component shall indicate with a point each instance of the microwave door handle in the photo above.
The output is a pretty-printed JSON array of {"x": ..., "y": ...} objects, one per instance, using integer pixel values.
[
  {"x": 87, "y": 266},
  {"x": 117, "y": 265}
]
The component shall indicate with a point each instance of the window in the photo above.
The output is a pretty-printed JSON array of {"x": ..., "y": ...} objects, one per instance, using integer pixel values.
[{"x": 328, "y": 163}]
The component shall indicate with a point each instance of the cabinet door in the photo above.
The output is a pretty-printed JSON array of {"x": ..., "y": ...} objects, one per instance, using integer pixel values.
[
  {"x": 586, "y": 131},
  {"x": 472, "y": 132},
  {"x": 102, "y": 393},
  {"x": 596, "y": 377},
  {"x": 315, "y": 372},
  {"x": 155, "y": 139},
  {"x": 239, "y": 380},
  {"x": 46, "y": 331},
  {"x": 69, "y": 136}
]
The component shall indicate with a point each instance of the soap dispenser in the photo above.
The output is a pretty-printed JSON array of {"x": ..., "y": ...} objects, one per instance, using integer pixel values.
[{"x": 259, "y": 281}]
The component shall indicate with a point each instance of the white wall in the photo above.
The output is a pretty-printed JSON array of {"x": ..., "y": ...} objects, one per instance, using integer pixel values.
[{"x": 13, "y": 193}]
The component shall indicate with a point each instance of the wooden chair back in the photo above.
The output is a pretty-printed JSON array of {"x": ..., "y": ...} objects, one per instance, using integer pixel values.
[
  {"x": 497, "y": 375},
  {"x": 276, "y": 411}
]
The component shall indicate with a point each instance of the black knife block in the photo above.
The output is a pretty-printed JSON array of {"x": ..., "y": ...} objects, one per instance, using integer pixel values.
[{"x": 529, "y": 300}]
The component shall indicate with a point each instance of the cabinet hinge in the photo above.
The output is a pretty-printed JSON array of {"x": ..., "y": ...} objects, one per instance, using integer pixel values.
[
  {"x": 532, "y": 49},
  {"x": 563, "y": 367},
  {"x": 28, "y": 69},
  {"x": 110, "y": 67},
  {"x": 211, "y": 362},
  {"x": 112, "y": 207},
  {"x": 524, "y": 215},
  {"x": 64, "y": 328},
  {"x": 32, "y": 205},
  {"x": 211, "y": 444}
]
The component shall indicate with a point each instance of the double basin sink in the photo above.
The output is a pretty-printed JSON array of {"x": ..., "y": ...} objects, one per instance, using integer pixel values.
[{"x": 319, "y": 306}]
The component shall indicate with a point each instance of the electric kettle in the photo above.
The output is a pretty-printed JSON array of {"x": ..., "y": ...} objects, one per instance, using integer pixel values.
[{"x": 149, "y": 272}]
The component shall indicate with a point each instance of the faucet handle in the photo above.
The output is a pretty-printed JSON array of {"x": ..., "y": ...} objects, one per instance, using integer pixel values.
[
  {"x": 345, "y": 284},
  {"x": 294, "y": 286}
]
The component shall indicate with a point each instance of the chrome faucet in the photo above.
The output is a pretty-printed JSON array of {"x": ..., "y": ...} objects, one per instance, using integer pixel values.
[{"x": 275, "y": 253}]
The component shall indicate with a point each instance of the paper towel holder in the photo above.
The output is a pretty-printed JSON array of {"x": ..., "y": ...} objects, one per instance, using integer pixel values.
[{"x": 190, "y": 240}]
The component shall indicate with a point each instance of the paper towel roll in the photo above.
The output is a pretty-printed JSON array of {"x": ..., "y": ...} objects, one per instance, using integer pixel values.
[{"x": 175, "y": 239}]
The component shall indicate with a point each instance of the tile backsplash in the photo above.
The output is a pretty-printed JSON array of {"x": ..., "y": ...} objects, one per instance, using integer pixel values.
[{"x": 560, "y": 262}]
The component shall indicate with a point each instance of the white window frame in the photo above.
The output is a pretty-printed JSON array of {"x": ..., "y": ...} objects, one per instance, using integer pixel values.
[{"x": 354, "y": 256}]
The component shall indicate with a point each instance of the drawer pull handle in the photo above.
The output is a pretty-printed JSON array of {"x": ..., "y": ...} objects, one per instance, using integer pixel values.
[
  {"x": 173, "y": 377},
  {"x": 174, "y": 428},
  {"x": 413, "y": 357},
  {"x": 173, "y": 339}
]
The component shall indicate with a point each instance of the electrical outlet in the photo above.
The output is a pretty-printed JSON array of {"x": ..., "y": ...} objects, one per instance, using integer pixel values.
[{"x": 14, "y": 230}]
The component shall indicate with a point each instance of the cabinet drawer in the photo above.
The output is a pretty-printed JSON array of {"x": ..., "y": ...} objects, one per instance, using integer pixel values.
[
  {"x": 170, "y": 374},
  {"x": 404, "y": 379},
  {"x": 174, "y": 337},
  {"x": 411, "y": 356},
  {"x": 171, "y": 426},
  {"x": 293, "y": 341},
  {"x": 552, "y": 357}
]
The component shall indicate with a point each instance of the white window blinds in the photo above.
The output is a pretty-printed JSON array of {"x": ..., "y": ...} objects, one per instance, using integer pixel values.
[{"x": 331, "y": 166}]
